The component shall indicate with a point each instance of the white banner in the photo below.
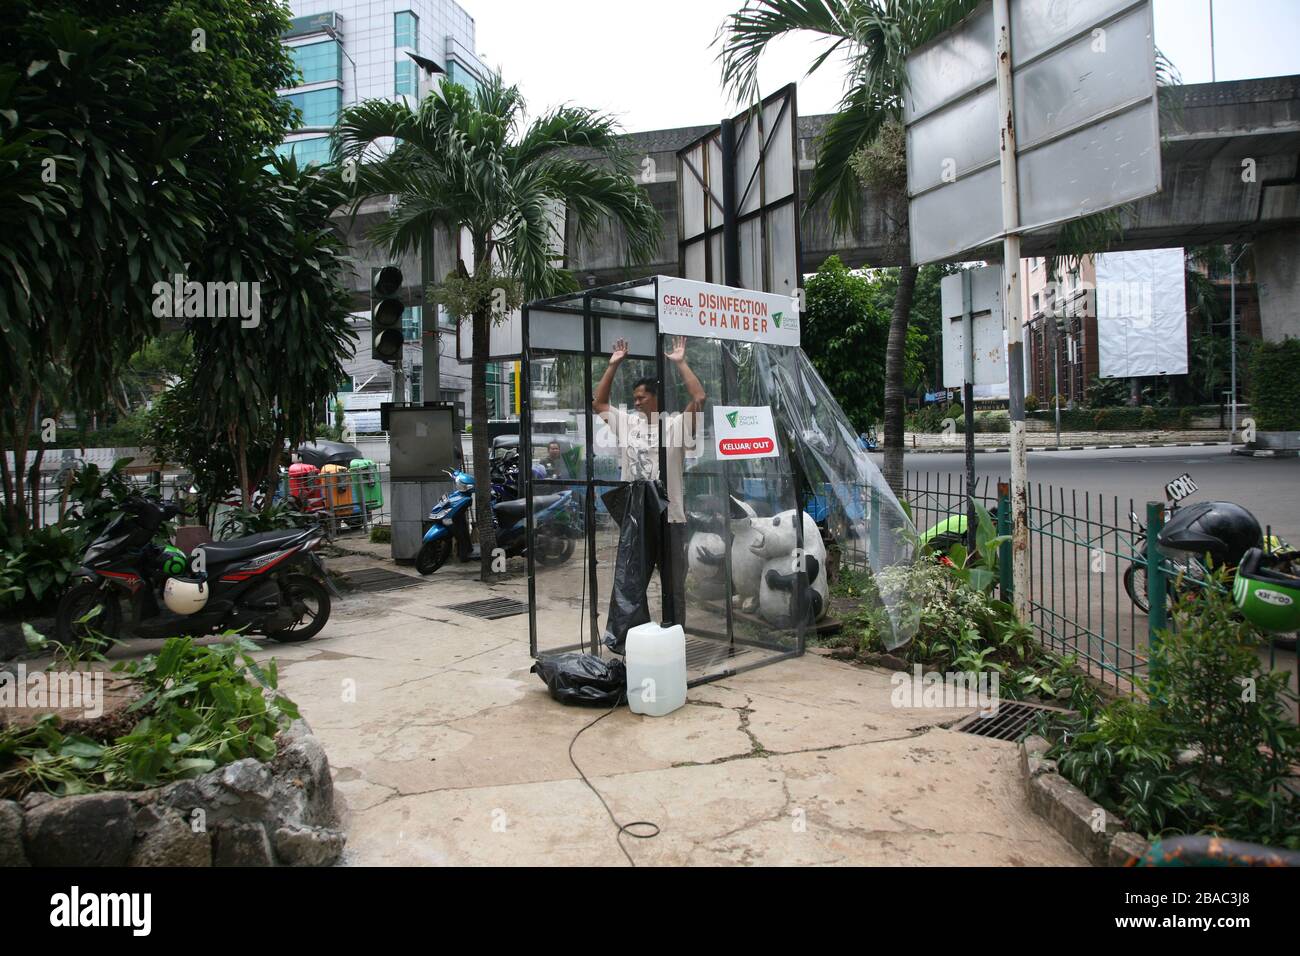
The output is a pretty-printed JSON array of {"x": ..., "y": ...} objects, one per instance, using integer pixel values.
[
  {"x": 1141, "y": 313},
  {"x": 744, "y": 431},
  {"x": 687, "y": 307}
]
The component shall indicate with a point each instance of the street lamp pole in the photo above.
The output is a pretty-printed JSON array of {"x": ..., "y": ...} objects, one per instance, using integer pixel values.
[
  {"x": 1232, "y": 333},
  {"x": 333, "y": 33}
]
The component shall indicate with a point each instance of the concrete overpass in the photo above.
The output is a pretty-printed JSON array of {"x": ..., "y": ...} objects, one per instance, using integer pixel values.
[{"x": 1210, "y": 194}]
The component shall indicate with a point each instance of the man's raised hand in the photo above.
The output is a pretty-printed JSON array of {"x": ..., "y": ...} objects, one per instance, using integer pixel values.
[
  {"x": 621, "y": 348},
  {"x": 678, "y": 352}
]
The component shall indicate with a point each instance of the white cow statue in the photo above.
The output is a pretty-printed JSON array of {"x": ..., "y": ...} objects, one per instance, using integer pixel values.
[{"x": 776, "y": 541}]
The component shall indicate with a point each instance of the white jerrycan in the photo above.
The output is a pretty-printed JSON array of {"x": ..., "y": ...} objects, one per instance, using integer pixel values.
[{"x": 656, "y": 669}]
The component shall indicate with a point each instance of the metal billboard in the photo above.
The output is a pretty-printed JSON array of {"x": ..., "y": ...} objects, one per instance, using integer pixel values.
[
  {"x": 989, "y": 331},
  {"x": 1087, "y": 130},
  {"x": 760, "y": 185}
]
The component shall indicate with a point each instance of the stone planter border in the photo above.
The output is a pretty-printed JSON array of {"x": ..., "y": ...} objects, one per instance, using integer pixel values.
[
  {"x": 1087, "y": 826},
  {"x": 247, "y": 813}
]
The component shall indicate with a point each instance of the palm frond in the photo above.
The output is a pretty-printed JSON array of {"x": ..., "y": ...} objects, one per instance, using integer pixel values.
[
  {"x": 745, "y": 35},
  {"x": 569, "y": 127}
]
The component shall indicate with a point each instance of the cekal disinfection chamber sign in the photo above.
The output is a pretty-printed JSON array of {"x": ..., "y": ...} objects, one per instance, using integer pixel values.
[{"x": 708, "y": 477}]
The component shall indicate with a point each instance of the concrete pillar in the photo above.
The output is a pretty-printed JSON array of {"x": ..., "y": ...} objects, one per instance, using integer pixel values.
[{"x": 1277, "y": 277}]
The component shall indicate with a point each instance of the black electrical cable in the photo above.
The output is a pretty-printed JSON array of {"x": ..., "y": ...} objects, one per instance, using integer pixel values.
[{"x": 622, "y": 827}]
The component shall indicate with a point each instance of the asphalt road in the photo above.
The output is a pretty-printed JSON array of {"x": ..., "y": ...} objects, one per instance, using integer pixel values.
[{"x": 1268, "y": 487}]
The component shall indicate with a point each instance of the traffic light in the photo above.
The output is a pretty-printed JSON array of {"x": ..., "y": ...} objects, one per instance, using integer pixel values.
[{"x": 386, "y": 315}]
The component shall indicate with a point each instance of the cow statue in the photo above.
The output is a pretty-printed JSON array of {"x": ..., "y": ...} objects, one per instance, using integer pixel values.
[
  {"x": 706, "y": 559},
  {"x": 776, "y": 542}
]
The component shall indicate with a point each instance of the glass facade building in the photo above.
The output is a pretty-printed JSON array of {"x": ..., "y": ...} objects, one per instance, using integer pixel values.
[{"x": 347, "y": 51}]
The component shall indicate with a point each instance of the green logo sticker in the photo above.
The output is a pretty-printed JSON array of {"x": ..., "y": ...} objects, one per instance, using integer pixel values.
[
  {"x": 731, "y": 418},
  {"x": 776, "y": 317}
]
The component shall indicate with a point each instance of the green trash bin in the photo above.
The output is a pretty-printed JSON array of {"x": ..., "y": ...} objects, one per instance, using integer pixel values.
[{"x": 365, "y": 484}]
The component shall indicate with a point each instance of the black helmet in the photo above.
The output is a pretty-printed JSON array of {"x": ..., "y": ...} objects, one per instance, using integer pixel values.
[{"x": 1223, "y": 530}]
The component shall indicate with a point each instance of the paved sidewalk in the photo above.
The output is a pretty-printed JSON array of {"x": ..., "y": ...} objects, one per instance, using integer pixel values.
[{"x": 446, "y": 750}]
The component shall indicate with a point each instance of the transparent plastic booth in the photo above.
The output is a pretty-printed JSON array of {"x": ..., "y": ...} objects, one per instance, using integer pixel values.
[{"x": 763, "y": 490}]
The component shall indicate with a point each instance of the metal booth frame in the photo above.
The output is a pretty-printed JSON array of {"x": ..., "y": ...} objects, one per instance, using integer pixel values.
[{"x": 714, "y": 655}]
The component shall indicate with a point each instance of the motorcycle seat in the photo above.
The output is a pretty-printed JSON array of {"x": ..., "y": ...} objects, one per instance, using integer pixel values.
[
  {"x": 239, "y": 549},
  {"x": 508, "y": 512}
]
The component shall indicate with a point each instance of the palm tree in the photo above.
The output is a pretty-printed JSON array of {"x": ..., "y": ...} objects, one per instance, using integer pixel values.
[
  {"x": 875, "y": 37},
  {"x": 465, "y": 160}
]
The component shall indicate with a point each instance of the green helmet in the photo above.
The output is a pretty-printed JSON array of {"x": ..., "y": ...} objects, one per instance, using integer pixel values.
[
  {"x": 1266, "y": 597},
  {"x": 174, "y": 561}
]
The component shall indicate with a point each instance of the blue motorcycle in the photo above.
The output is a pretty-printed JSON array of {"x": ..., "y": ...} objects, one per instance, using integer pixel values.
[{"x": 557, "y": 520}]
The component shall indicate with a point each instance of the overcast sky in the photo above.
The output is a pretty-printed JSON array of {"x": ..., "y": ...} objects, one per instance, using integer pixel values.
[{"x": 652, "y": 64}]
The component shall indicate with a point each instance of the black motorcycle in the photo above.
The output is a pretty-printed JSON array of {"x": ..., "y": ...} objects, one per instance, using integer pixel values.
[{"x": 269, "y": 583}]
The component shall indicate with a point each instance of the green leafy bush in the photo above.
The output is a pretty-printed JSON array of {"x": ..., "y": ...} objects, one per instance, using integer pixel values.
[
  {"x": 1148, "y": 418},
  {"x": 1275, "y": 388},
  {"x": 1031, "y": 402},
  {"x": 930, "y": 419},
  {"x": 200, "y": 708},
  {"x": 1212, "y": 750},
  {"x": 381, "y": 534},
  {"x": 959, "y": 626},
  {"x": 277, "y": 516},
  {"x": 35, "y": 566},
  {"x": 95, "y": 497}
]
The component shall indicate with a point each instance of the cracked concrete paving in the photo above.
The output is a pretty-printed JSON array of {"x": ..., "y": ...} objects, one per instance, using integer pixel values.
[{"x": 447, "y": 751}]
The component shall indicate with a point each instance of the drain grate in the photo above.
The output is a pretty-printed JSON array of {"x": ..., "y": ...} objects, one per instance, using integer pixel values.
[
  {"x": 380, "y": 579},
  {"x": 703, "y": 654},
  {"x": 490, "y": 608},
  {"x": 1010, "y": 721}
]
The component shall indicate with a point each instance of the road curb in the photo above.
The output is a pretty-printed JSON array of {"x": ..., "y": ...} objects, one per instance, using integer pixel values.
[
  {"x": 1084, "y": 824},
  {"x": 1037, "y": 448}
]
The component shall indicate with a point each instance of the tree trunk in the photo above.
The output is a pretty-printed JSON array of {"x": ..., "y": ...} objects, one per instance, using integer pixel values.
[
  {"x": 34, "y": 483},
  {"x": 241, "y": 463},
  {"x": 8, "y": 482},
  {"x": 487, "y": 536},
  {"x": 895, "y": 367}
]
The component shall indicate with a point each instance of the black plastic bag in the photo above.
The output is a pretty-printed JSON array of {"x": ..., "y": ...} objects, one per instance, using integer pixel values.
[
  {"x": 575, "y": 678},
  {"x": 640, "y": 508}
]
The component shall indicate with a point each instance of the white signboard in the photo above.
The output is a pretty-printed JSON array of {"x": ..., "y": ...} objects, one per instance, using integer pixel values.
[
  {"x": 687, "y": 307},
  {"x": 990, "y": 330},
  {"x": 1087, "y": 130},
  {"x": 1141, "y": 313},
  {"x": 744, "y": 431}
]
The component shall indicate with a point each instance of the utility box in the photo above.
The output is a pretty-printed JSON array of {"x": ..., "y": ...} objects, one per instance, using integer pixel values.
[{"x": 423, "y": 445}]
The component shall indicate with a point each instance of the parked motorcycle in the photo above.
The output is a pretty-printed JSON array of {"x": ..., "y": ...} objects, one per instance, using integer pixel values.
[
  {"x": 269, "y": 583},
  {"x": 556, "y": 519},
  {"x": 1199, "y": 538}
]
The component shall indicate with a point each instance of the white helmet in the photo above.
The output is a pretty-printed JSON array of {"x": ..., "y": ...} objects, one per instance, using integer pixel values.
[{"x": 185, "y": 595}]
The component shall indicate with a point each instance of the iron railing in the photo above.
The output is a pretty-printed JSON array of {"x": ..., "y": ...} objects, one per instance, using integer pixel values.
[{"x": 1081, "y": 547}]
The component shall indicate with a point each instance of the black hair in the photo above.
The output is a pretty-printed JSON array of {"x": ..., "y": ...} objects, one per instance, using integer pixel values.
[{"x": 649, "y": 384}]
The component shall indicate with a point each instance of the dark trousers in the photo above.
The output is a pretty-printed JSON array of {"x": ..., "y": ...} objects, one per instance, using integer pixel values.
[{"x": 677, "y": 539}]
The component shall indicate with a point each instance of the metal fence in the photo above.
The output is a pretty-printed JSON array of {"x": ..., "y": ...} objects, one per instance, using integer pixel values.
[{"x": 1081, "y": 548}]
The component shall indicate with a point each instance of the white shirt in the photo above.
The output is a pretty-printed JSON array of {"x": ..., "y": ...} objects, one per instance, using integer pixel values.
[{"x": 638, "y": 452}]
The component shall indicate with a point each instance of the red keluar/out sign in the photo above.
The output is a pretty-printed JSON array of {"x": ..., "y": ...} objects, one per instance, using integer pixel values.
[{"x": 745, "y": 446}]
